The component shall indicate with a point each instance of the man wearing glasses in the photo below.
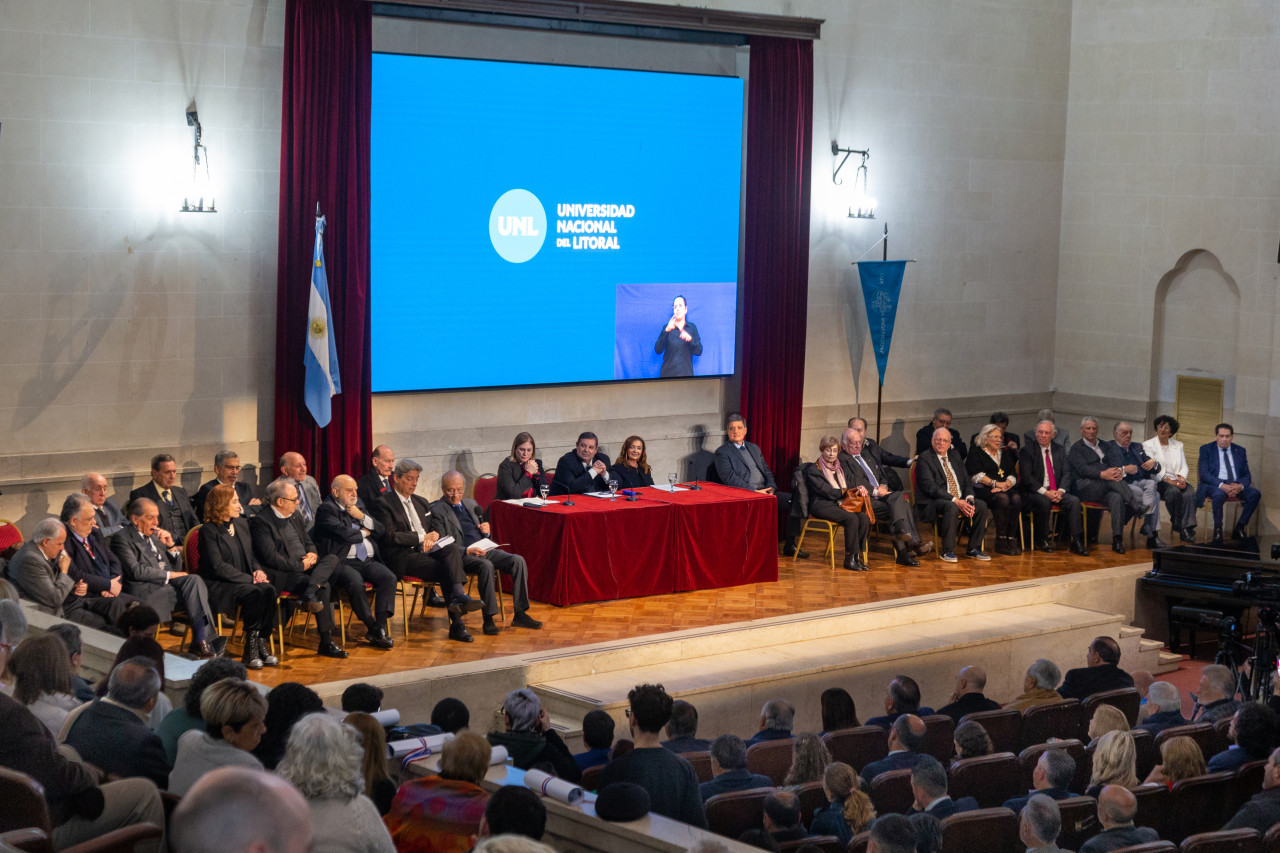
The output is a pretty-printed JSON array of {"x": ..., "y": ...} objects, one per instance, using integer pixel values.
[{"x": 226, "y": 467}]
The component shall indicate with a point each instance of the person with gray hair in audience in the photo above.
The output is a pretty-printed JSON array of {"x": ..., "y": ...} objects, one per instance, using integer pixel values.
[
  {"x": 239, "y": 810},
  {"x": 1216, "y": 699},
  {"x": 1037, "y": 686},
  {"x": 183, "y": 719},
  {"x": 1051, "y": 777},
  {"x": 94, "y": 486},
  {"x": 529, "y": 739},
  {"x": 324, "y": 761},
  {"x": 41, "y": 570},
  {"x": 929, "y": 790},
  {"x": 1061, "y": 437},
  {"x": 226, "y": 469},
  {"x": 1117, "y": 807},
  {"x": 906, "y": 736},
  {"x": 775, "y": 722},
  {"x": 13, "y": 622},
  {"x": 1094, "y": 479},
  {"x": 729, "y": 769},
  {"x": 113, "y": 734},
  {"x": 1039, "y": 825},
  {"x": 233, "y": 712},
  {"x": 1165, "y": 708}
]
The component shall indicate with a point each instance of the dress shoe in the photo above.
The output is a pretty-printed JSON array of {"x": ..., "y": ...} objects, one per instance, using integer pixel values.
[
  {"x": 379, "y": 639},
  {"x": 949, "y": 557},
  {"x": 202, "y": 649},
  {"x": 1217, "y": 536},
  {"x": 311, "y": 599},
  {"x": 1239, "y": 533},
  {"x": 905, "y": 559},
  {"x": 219, "y": 645},
  {"x": 977, "y": 554},
  {"x": 1077, "y": 547},
  {"x": 331, "y": 649},
  {"x": 524, "y": 620},
  {"x": 490, "y": 628},
  {"x": 463, "y": 603},
  {"x": 920, "y": 547},
  {"x": 1187, "y": 534},
  {"x": 854, "y": 564},
  {"x": 793, "y": 551},
  {"x": 435, "y": 599},
  {"x": 1117, "y": 544},
  {"x": 264, "y": 653},
  {"x": 1005, "y": 547},
  {"x": 1045, "y": 547},
  {"x": 1154, "y": 542},
  {"x": 459, "y": 632}
]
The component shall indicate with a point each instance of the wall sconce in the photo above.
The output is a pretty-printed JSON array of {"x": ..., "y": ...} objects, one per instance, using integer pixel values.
[
  {"x": 201, "y": 187},
  {"x": 862, "y": 206}
]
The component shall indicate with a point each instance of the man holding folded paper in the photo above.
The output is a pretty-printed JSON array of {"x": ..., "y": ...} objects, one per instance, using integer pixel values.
[{"x": 459, "y": 517}]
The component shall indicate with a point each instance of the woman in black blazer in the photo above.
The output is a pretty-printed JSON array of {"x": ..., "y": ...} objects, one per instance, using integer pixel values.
[
  {"x": 994, "y": 471},
  {"x": 520, "y": 474},
  {"x": 631, "y": 469},
  {"x": 826, "y": 484},
  {"x": 233, "y": 576}
]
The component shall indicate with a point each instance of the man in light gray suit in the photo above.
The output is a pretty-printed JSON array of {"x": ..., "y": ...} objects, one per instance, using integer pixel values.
[
  {"x": 110, "y": 519},
  {"x": 293, "y": 466},
  {"x": 41, "y": 569}
]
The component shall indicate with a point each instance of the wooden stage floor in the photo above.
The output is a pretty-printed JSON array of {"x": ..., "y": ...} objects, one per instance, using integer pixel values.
[{"x": 807, "y": 586}]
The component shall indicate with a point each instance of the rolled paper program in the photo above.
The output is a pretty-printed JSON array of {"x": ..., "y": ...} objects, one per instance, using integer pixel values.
[
  {"x": 550, "y": 786},
  {"x": 387, "y": 718},
  {"x": 498, "y": 755},
  {"x": 426, "y": 745}
]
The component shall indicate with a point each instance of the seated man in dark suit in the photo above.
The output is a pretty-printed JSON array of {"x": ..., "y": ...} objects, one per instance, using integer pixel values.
[
  {"x": 1043, "y": 477},
  {"x": 345, "y": 529},
  {"x": 1094, "y": 480},
  {"x": 459, "y": 517},
  {"x": 929, "y": 790},
  {"x": 941, "y": 420},
  {"x": 902, "y": 696},
  {"x": 1061, "y": 437},
  {"x": 776, "y": 718},
  {"x": 740, "y": 464},
  {"x": 177, "y": 515},
  {"x": 293, "y": 466},
  {"x": 870, "y": 477},
  {"x": 1117, "y": 808},
  {"x": 582, "y": 469},
  {"x": 226, "y": 469},
  {"x": 1224, "y": 473},
  {"x": 944, "y": 493},
  {"x": 906, "y": 736},
  {"x": 152, "y": 570},
  {"x": 968, "y": 697},
  {"x": 682, "y": 728},
  {"x": 1102, "y": 672},
  {"x": 1164, "y": 705},
  {"x": 782, "y": 817},
  {"x": 1052, "y": 777},
  {"x": 376, "y": 482},
  {"x": 93, "y": 563},
  {"x": 729, "y": 769},
  {"x": 113, "y": 734},
  {"x": 886, "y": 460},
  {"x": 110, "y": 519},
  {"x": 1141, "y": 476},
  {"x": 41, "y": 570},
  {"x": 408, "y": 545},
  {"x": 1262, "y": 811},
  {"x": 292, "y": 563},
  {"x": 1253, "y": 730},
  {"x": 1000, "y": 419},
  {"x": 1217, "y": 692}
]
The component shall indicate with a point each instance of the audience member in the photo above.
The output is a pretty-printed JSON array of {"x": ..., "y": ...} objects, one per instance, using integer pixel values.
[
  {"x": 512, "y": 844},
  {"x": 873, "y": 469},
  {"x": 177, "y": 515},
  {"x": 1164, "y": 705},
  {"x": 906, "y": 736},
  {"x": 1101, "y": 672},
  {"x": 1217, "y": 696},
  {"x": 378, "y": 784},
  {"x": 139, "y": 620},
  {"x": 1051, "y": 778},
  {"x": 809, "y": 758},
  {"x": 1180, "y": 758},
  {"x": 597, "y": 736},
  {"x": 286, "y": 704},
  {"x": 7, "y": 590},
  {"x": 929, "y": 790},
  {"x": 669, "y": 779},
  {"x": 112, "y": 733},
  {"x": 782, "y": 817},
  {"x": 1061, "y": 437},
  {"x": 1262, "y": 811},
  {"x": 928, "y": 832},
  {"x": 139, "y": 647},
  {"x": 239, "y": 810},
  {"x": 70, "y": 636},
  {"x": 902, "y": 696},
  {"x": 944, "y": 495},
  {"x": 971, "y": 740},
  {"x": 529, "y": 738},
  {"x": 1223, "y": 470},
  {"x": 13, "y": 621},
  {"x": 1253, "y": 728},
  {"x": 1095, "y": 480},
  {"x": 450, "y": 715},
  {"x": 1116, "y": 809},
  {"x": 1042, "y": 467},
  {"x": 363, "y": 698},
  {"x": 1039, "y": 825},
  {"x": 848, "y": 810},
  {"x": 826, "y": 485},
  {"x": 1038, "y": 686},
  {"x": 514, "y": 810},
  {"x": 968, "y": 697},
  {"x": 740, "y": 464},
  {"x": 729, "y": 769},
  {"x": 42, "y": 680},
  {"x": 683, "y": 729},
  {"x": 775, "y": 722},
  {"x": 838, "y": 710},
  {"x": 1010, "y": 439},
  {"x": 179, "y": 721},
  {"x": 233, "y": 712},
  {"x": 226, "y": 469},
  {"x": 892, "y": 833},
  {"x": 443, "y": 814},
  {"x": 1114, "y": 763},
  {"x": 1106, "y": 718},
  {"x": 761, "y": 839},
  {"x": 1179, "y": 498}
]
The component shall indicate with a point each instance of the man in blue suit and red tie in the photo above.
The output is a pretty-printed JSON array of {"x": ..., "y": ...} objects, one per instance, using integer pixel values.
[{"x": 1224, "y": 474}]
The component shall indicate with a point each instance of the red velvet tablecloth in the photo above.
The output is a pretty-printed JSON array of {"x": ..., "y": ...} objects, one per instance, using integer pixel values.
[{"x": 598, "y": 550}]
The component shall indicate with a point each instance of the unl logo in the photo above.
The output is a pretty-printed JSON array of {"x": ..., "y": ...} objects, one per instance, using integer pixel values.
[{"x": 517, "y": 226}]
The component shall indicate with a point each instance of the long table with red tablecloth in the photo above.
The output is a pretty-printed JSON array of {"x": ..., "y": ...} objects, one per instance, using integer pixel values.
[{"x": 598, "y": 550}]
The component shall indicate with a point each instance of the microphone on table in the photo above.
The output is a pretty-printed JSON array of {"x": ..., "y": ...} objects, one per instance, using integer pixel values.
[
  {"x": 695, "y": 487},
  {"x": 632, "y": 494}
]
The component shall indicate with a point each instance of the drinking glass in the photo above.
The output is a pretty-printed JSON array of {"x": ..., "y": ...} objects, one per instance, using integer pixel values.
[
  {"x": 613, "y": 488},
  {"x": 545, "y": 489},
  {"x": 671, "y": 479}
]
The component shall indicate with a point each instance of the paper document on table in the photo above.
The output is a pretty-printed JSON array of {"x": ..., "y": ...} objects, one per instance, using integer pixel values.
[
  {"x": 485, "y": 545},
  {"x": 529, "y": 502},
  {"x": 596, "y": 495},
  {"x": 668, "y": 488},
  {"x": 442, "y": 542}
]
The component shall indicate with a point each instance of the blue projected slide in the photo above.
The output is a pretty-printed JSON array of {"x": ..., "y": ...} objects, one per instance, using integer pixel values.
[{"x": 534, "y": 224}]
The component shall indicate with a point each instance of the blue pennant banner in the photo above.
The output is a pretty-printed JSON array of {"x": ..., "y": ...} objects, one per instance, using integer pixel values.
[{"x": 881, "y": 287}]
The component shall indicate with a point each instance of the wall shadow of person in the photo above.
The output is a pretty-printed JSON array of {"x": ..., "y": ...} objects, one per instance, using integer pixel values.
[
  {"x": 700, "y": 460},
  {"x": 35, "y": 510},
  {"x": 896, "y": 441},
  {"x": 123, "y": 484},
  {"x": 191, "y": 476}
]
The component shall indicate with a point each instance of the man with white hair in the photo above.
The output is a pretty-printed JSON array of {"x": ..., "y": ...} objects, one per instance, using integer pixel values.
[
  {"x": 1217, "y": 695},
  {"x": 41, "y": 570},
  {"x": 1038, "y": 686},
  {"x": 1141, "y": 475},
  {"x": 944, "y": 495},
  {"x": 294, "y": 467},
  {"x": 112, "y": 733},
  {"x": 1039, "y": 825},
  {"x": 1165, "y": 704},
  {"x": 1042, "y": 467},
  {"x": 871, "y": 478},
  {"x": 345, "y": 527},
  {"x": 110, "y": 519},
  {"x": 1095, "y": 480},
  {"x": 529, "y": 738},
  {"x": 776, "y": 718},
  {"x": 239, "y": 810}
]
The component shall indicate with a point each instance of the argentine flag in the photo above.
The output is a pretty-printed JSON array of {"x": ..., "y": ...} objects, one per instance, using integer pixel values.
[{"x": 321, "y": 353}]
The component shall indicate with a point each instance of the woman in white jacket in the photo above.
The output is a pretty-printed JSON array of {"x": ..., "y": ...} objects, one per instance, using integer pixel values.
[{"x": 1179, "y": 498}]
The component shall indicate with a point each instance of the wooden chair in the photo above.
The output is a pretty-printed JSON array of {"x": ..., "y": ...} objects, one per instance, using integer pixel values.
[
  {"x": 701, "y": 762},
  {"x": 891, "y": 792},
  {"x": 1200, "y": 804},
  {"x": 771, "y": 758},
  {"x": 1079, "y": 821},
  {"x": 1202, "y": 733},
  {"x": 989, "y": 779},
  {"x": 1004, "y": 728},
  {"x": 418, "y": 587},
  {"x": 1248, "y": 782},
  {"x": 812, "y": 798},
  {"x": 825, "y": 843},
  {"x": 1056, "y": 719},
  {"x": 857, "y": 747},
  {"x": 939, "y": 737},
  {"x": 1029, "y": 757},
  {"x": 1223, "y": 841},
  {"x": 1126, "y": 699},
  {"x": 981, "y": 829},
  {"x": 734, "y": 813}
]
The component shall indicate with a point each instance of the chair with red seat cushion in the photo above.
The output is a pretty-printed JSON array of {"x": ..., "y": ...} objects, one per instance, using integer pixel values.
[
  {"x": 1055, "y": 719},
  {"x": 1004, "y": 728},
  {"x": 1223, "y": 841},
  {"x": 859, "y": 843},
  {"x": 980, "y": 829},
  {"x": 1149, "y": 847},
  {"x": 1147, "y": 755},
  {"x": 1202, "y": 733},
  {"x": 701, "y": 762},
  {"x": 1153, "y": 804},
  {"x": 825, "y": 843},
  {"x": 1199, "y": 804},
  {"x": 989, "y": 779},
  {"x": 1126, "y": 699},
  {"x": 812, "y": 798},
  {"x": 9, "y": 535},
  {"x": 1079, "y": 821},
  {"x": 485, "y": 490},
  {"x": 1248, "y": 782},
  {"x": 891, "y": 792},
  {"x": 939, "y": 737},
  {"x": 771, "y": 758},
  {"x": 857, "y": 747},
  {"x": 734, "y": 813}
]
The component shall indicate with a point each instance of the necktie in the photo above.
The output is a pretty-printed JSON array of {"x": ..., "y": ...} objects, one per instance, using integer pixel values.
[
  {"x": 413, "y": 517},
  {"x": 1048, "y": 467},
  {"x": 88, "y": 548},
  {"x": 303, "y": 503},
  {"x": 383, "y": 481},
  {"x": 168, "y": 497},
  {"x": 952, "y": 486},
  {"x": 362, "y": 549},
  {"x": 1227, "y": 465},
  {"x": 154, "y": 553},
  {"x": 867, "y": 470}
]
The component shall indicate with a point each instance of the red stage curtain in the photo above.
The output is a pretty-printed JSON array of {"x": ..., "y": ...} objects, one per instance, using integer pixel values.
[
  {"x": 324, "y": 157},
  {"x": 779, "y": 149}
]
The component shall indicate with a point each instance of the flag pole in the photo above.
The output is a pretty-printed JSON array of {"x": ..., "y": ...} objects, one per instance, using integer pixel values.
[{"x": 880, "y": 385}]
